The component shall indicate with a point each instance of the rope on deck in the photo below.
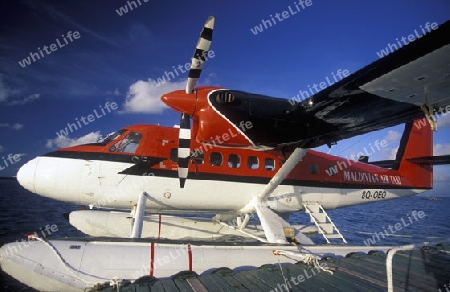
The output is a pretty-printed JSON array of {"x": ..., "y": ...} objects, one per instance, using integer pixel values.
[{"x": 307, "y": 258}]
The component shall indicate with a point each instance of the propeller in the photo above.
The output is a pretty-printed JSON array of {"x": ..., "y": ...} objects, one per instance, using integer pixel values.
[
  {"x": 201, "y": 51},
  {"x": 198, "y": 60}
]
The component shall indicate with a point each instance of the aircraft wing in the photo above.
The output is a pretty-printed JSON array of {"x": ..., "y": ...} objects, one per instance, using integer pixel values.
[{"x": 401, "y": 87}]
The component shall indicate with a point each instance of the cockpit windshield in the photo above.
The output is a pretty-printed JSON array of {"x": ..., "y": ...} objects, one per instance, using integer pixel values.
[
  {"x": 129, "y": 144},
  {"x": 111, "y": 136}
]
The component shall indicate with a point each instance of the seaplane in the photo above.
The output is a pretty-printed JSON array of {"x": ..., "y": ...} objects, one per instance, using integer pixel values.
[{"x": 234, "y": 155}]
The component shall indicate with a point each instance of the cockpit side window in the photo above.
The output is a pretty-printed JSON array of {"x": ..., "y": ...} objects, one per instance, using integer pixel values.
[
  {"x": 112, "y": 136},
  {"x": 129, "y": 144}
]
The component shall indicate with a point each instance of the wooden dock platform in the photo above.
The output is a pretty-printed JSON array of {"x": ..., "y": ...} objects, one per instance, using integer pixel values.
[{"x": 426, "y": 269}]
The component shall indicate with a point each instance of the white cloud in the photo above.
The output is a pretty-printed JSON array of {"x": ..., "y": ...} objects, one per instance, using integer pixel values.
[
  {"x": 17, "y": 126},
  {"x": 4, "y": 92},
  {"x": 393, "y": 137},
  {"x": 444, "y": 121},
  {"x": 2, "y": 148},
  {"x": 57, "y": 14},
  {"x": 26, "y": 100},
  {"x": 441, "y": 149},
  {"x": 115, "y": 92},
  {"x": 390, "y": 153},
  {"x": 65, "y": 141},
  {"x": 9, "y": 96},
  {"x": 441, "y": 177},
  {"x": 144, "y": 96},
  {"x": 208, "y": 80}
]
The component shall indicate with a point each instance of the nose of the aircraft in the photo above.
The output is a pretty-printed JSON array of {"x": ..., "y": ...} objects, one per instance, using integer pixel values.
[
  {"x": 26, "y": 175},
  {"x": 52, "y": 177}
]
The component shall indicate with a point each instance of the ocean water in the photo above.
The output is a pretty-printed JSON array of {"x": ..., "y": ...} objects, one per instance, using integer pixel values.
[{"x": 22, "y": 212}]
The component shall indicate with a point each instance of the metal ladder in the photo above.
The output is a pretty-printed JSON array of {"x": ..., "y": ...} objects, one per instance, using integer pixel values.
[{"x": 323, "y": 222}]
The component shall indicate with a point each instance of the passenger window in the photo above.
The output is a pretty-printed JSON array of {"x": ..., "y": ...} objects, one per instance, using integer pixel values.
[
  {"x": 253, "y": 162},
  {"x": 234, "y": 161},
  {"x": 129, "y": 144},
  {"x": 215, "y": 158},
  {"x": 313, "y": 168},
  {"x": 269, "y": 164}
]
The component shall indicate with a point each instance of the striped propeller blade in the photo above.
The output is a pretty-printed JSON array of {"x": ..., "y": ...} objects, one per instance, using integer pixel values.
[
  {"x": 184, "y": 148},
  {"x": 200, "y": 54}
]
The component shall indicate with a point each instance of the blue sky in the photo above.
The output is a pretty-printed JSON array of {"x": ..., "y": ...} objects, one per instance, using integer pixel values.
[{"x": 114, "y": 57}]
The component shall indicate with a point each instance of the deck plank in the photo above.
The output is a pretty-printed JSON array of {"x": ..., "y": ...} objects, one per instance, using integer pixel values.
[
  {"x": 156, "y": 287},
  {"x": 251, "y": 282},
  {"x": 303, "y": 273},
  {"x": 169, "y": 285},
  {"x": 209, "y": 283},
  {"x": 221, "y": 284},
  {"x": 349, "y": 281}
]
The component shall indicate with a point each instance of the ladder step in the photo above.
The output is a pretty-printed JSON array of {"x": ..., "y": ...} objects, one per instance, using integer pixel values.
[
  {"x": 320, "y": 217},
  {"x": 314, "y": 208},
  {"x": 327, "y": 227},
  {"x": 336, "y": 235}
]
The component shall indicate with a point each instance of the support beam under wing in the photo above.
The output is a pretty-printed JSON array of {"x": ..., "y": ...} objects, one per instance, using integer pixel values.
[{"x": 274, "y": 227}]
